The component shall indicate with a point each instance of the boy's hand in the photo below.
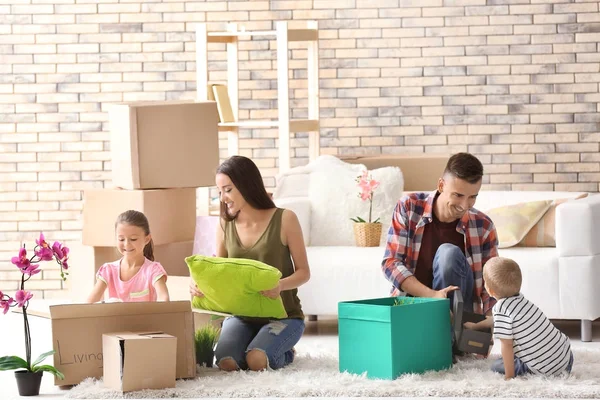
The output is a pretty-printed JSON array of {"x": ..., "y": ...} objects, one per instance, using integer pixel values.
[{"x": 470, "y": 325}]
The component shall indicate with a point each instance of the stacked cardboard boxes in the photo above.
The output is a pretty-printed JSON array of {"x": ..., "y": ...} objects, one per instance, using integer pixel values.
[{"x": 161, "y": 153}]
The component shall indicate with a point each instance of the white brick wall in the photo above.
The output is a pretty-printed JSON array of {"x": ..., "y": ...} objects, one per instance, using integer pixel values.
[{"x": 516, "y": 84}]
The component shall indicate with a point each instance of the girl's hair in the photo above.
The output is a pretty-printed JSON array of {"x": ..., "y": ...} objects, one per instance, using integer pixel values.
[
  {"x": 246, "y": 177},
  {"x": 136, "y": 218}
]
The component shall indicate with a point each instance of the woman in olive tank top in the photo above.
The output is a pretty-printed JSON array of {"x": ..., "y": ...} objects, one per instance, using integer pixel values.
[{"x": 252, "y": 227}]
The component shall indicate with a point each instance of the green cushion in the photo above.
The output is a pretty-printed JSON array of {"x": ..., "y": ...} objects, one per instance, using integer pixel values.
[{"x": 233, "y": 285}]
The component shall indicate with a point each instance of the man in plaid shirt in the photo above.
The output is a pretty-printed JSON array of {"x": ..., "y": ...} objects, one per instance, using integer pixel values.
[{"x": 438, "y": 242}]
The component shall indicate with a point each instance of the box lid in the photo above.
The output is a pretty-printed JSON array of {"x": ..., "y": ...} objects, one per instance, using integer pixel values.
[
  {"x": 457, "y": 310},
  {"x": 71, "y": 311}
]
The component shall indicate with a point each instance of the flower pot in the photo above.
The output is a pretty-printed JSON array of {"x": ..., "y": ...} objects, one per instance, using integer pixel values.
[
  {"x": 29, "y": 382},
  {"x": 367, "y": 234}
]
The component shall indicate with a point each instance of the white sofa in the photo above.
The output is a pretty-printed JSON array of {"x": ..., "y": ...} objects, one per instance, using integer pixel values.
[{"x": 561, "y": 280}]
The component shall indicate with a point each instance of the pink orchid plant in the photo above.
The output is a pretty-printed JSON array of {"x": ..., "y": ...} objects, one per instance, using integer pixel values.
[
  {"x": 29, "y": 267},
  {"x": 367, "y": 187}
]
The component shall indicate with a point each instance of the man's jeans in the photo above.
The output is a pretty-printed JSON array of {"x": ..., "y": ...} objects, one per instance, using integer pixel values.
[{"x": 450, "y": 268}]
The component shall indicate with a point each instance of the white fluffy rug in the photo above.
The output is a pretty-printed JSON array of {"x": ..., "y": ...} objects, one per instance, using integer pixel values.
[{"x": 315, "y": 373}]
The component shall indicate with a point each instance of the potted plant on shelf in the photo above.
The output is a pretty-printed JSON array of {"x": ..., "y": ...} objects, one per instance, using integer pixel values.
[
  {"x": 205, "y": 340},
  {"x": 367, "y": 233},
  {"x": 29, "y": 374}
]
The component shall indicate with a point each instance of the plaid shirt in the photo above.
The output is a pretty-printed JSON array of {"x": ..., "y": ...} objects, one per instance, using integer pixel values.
[{"x": 411, "y": 215}]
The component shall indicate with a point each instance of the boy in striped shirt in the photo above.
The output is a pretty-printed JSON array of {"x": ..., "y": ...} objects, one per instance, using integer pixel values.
[{"x": 530, "y": 343}]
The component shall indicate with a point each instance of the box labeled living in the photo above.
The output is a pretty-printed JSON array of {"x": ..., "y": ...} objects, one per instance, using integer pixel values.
[
  {"x": 469, "y": 340},
  {"x": 170, "y": 212},
  {"x": 390, "y": 336},
  {"x": 164, "y": 144},
  {"x": 89, "y": 259},
  {"x": 77, "y": 331},
  {"x": 128, "y": 355}
]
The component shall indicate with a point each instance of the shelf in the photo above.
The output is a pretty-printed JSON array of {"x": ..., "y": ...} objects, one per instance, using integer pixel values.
[
  {"x": 296, "y": 125},
  {"x": 294, "y": 35},
  {"x": 227, "y": 96}
]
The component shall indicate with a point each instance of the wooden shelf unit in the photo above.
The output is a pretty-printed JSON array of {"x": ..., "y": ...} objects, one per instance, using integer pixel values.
[{"x": 283, "y": 35}]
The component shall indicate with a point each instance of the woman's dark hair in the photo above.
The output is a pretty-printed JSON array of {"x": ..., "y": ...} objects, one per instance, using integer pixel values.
[
  {"x": 136, "y": 218},
  {"x": 465, "y": 166},
  {"x": 246, "y": 177}
]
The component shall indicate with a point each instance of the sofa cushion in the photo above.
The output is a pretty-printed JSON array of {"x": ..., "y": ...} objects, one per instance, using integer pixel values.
[
  {"x": 301, "y": 207},
  {"x": 543, "y": 234},
  {"x": 488, "y": 199},
  {"x": 513, "y": 222},
  {"x": 333, "y": 194},
  {"x": 233, "y": 286}
]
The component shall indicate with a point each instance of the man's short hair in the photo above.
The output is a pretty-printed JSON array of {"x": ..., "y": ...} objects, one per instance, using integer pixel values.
[
  {"x": 503, "y": 276},
  {"x": 465, "y": 166}
]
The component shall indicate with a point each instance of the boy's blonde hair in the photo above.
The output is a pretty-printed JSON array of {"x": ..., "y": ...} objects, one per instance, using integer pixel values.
[{"x": 503, "y": 276}]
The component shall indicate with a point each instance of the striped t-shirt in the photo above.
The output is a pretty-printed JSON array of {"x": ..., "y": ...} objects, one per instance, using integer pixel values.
[{"x": 536, "y": 341}]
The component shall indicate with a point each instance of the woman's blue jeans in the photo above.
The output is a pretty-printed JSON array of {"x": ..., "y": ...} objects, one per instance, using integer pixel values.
[{"x": 275, "y": 338}]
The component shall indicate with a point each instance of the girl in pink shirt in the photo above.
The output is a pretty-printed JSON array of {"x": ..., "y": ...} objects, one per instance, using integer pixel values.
[{"x": 136, "y": 276}]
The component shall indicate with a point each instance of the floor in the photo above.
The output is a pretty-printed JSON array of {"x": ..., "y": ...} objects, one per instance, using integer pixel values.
[{"x": 323, "y": 331}]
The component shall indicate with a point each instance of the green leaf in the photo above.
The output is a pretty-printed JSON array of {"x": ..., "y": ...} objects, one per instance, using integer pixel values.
[
  {"x": 361, "y": 220},
  {"x": 49, "y": 368},
  {"x": 42, "y": 357},
  {"x": 376, "y": 221},
  {"x": 354, "y": 219},
  {"x": 12, "y": 362}
]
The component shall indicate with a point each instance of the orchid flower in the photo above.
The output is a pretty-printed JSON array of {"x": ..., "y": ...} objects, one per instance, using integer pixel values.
[
  {"x": 44, "y": 251},
  {"x": 367, "y": 187},
  {"x": 22, "y": 297},
  {"x": 29, "y": 267},
  {"x": 21, "y": 261}
]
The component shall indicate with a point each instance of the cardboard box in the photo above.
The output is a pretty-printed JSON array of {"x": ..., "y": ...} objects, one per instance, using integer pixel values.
[
  {"x": 171, "y": 213},
  {"x": 387, "y": 340},
  {"x": 128, "y": 355},
  {"x": 86, "y": 261},
  {"x": 77, "y": 331},
  {"x": 172, "y": 144},
  {"x": 469, "y": 340}
]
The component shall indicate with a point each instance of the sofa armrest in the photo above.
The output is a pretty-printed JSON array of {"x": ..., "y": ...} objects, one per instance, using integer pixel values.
[
  {"x": 301, "y": 207},
  {"x": 578, "y": 227}
]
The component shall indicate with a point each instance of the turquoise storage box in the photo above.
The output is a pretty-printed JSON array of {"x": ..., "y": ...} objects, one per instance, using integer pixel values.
[{"x": 391, "y": 336}]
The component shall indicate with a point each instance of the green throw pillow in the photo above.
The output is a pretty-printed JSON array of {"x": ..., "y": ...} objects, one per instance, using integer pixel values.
[{"x": 233, "y": 285}]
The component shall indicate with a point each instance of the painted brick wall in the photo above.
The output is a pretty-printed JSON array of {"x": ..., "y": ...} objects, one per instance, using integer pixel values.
[{"x": 513, "y": 81}]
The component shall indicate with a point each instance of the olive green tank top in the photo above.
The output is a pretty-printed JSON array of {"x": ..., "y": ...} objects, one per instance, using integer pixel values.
[{"x": 269, "y": 250}]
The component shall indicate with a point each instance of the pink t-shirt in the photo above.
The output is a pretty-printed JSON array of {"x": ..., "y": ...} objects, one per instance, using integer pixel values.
[{"x": 139, "y": 288}]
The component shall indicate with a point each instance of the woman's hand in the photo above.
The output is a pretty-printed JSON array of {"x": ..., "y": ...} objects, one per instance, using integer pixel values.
[
  {"x": 272, "y": 293},
  {"x": 194, "y": 289}
]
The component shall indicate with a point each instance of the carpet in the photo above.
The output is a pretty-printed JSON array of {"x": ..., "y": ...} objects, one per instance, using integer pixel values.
[{"x": 315, "y": 374}]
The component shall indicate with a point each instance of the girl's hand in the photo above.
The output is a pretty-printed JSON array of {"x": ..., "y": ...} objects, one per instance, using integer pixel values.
[
  {"x": 194, "y": 290},
  {"x": 272, "y": 293}
]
